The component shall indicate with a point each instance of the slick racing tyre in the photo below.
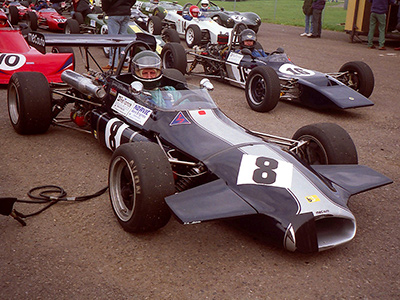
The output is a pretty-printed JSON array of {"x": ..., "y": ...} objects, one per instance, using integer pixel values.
[
  {"x": 327, "y": 144},
  {"x": 359, "y": 77},
  {"x": 32, "y": 20},
  {"x": 154, "y": 25},
  {"x": 262, "y": 89},
  {"x": 29, "y": 102},
  {"x": 173, "y": 55},
  {"x": 71, "y": 27},
  {"x": 193, "y": 35},
  {"x": 170, "y": 35},
  {"x": 13, "y": 15},
  {"x": 79, "y": 17},
  {"x": 139, "y": 178}
]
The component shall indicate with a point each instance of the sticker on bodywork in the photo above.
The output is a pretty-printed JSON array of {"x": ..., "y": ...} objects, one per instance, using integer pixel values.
[
  {"x": 130, "y": 109},
  {"x": 312, "y": 199},
  {"x": 293, "y": 70},
  {"x": 234, "y": 57},
  {"x": 11, "y": 61},
  {"x": 179, "y": 119},
  {"x": 265, "y": 171}
]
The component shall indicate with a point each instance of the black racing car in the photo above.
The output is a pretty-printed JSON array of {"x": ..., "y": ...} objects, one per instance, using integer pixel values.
[
  {"x": 268, "y": 79},
  {"x": 181, "y": 154}
]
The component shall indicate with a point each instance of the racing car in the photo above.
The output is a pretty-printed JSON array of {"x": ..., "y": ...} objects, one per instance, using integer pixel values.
[
  {"x": 17, "y": 56},
  {"x": 157, "y": 8},
  {"x": 197, "y": 30},
  {"x": 268, "y": 79},
  {"x": 181, "y": 154},
  {"x": 97, "y": 24},
  {"x": 45, "y": 18},
  {"x": 230, "y": 18}
]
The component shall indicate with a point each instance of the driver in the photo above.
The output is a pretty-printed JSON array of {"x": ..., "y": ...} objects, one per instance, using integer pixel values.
[
  {"x": 40, "y": 5},
  {"x": 194, "y": 13},
  {"x": 248, "y": 39},
  {"x": 205, "y": 5},
  {"x": 146, "y": 68}
]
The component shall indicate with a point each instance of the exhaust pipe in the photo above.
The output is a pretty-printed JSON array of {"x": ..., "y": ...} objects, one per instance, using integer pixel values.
[{"x": 82, "y": 84}]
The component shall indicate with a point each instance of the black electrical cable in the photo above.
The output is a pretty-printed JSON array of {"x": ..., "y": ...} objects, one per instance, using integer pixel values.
[{"x": 50, "y": 194}]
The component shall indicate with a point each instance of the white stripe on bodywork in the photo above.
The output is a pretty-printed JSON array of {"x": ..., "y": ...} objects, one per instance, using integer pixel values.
[{"x": 300, "y": 187}]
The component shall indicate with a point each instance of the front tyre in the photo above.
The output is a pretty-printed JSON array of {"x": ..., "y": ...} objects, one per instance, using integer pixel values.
[
  {"x": 139, "y": 178},
  {"x": 72, "y": 27},
  {"x": 359, "y": 77},
  {"x": 262, "y": 89},
  {"x": 29, "y": 102},
  {"x": 327, "y": 144},
  {"x": 154, "y": 25}
]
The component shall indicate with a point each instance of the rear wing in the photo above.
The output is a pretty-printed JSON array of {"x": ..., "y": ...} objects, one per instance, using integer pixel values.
[{"x": 40, "y": 41}]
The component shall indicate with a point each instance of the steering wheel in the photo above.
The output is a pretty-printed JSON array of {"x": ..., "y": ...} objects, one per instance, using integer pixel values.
[{"x": 190, "y": 97}]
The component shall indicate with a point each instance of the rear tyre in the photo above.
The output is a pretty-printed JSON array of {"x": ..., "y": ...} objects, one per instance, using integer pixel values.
[
  {"x": 139, "y": 178},
  {"x": 33, "y": 21},
  {"x": 327, "y": 144},
  {"x": 193, "y": 35},
  {"x": 360, "y": 77},
  {"x": 154, "y": 25},
  {"x": 79, "y": 17},
  {"x": 262, "y": 89},
  {"x": 71, "y": 27},
  {"x": 29, "y": 102},
  {"x": 173, "y": 55}
]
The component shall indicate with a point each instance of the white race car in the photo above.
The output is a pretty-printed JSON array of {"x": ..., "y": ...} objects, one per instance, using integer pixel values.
[{"x": 193, "y": 27}]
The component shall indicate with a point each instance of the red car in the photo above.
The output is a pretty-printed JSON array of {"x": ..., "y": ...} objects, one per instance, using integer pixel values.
[
  {"x": 45, "y": 18},
  {"x": 17, "y": 56}
]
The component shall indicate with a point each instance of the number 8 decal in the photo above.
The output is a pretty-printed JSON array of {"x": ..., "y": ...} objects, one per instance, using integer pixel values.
[{"x": 262, "y": 170}]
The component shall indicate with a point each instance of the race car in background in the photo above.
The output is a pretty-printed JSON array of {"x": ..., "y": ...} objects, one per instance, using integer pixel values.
[
  {"x": 266, "y": 80},
  {"x": 17, "y": 56},
  {"x": 230, "y": 18},
  {"x": 175, "y": 151}
]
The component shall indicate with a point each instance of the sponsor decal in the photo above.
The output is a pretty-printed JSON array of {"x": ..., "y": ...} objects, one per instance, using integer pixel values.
[
  {"x": 320, "y": 212},
  {"x": 312, "y": 199},
  {"x": 130, "y": 109},
  {"x": 179, "y": 119},
  {"x": 234, "y": 57},
  {"x": 11, "y": 61},
  {"x": 113, "y": 92}
]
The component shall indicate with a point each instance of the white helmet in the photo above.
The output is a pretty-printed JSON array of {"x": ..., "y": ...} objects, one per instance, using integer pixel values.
[
  {"x": 204, "y": 3},
  {"x": 146, "y": 67}
]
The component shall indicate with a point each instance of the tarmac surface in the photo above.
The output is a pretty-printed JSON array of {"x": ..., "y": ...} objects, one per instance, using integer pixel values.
[{"x": 79, "y": 251}]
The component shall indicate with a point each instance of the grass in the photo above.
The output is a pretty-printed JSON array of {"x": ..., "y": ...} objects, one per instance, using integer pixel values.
[{"x": 286, "y": 12}]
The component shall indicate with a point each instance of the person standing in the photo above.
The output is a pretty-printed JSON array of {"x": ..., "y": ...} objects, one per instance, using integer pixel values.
[
  {"x": 379, "y": 9},
  {"x": 318, "y": 7},
  {"x": 308, "y": 11},
  {"x": 118, "y": 12}
]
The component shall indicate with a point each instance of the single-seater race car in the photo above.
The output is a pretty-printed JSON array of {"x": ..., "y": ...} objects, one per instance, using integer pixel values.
[
  {"x": 17, "y": 56},
  {"x": 157, "y": 8},
  {"x": 268, "y": 79},
  {"x": 229, "y": 18},
  {"x": 191, "y": 26},
  {"x": 97, "y": 24},
  {"x": 175, "y": 151}
]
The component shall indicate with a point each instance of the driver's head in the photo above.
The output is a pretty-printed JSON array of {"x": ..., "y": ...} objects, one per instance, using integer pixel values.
[
  {"x": 247, "y": 39},
  {"x": 194, "y": 11},
  {"x": 154, "y": 1},
  {"x": 146, "y": 67},
  {"x": 205, "y": 3}
]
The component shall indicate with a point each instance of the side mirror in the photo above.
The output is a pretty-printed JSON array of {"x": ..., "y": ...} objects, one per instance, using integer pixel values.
[
  {"x": 206, "y": 84},
  {"x": 136, "y": 87}
]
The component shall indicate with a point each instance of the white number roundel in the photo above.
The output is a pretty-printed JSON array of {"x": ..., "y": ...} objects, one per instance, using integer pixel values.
[
  {"x": 294, "y": 70},
  {"x": 11, "y": 61}
]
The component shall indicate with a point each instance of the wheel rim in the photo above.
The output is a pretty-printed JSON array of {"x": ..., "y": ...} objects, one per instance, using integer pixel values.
[
  {"x": 13, "y": 104},
  {"x": 313, "y": 152},
  {"x": 168, "y": 60},
  {"x": 122, "y": 189},
  {"x": 67, "y": 30},
  {"x": 190, "y": 36},
  {"x": 151, "y": 27},
  {"x": 257, "y": 89},
  {"x": 353, "y": 80}
]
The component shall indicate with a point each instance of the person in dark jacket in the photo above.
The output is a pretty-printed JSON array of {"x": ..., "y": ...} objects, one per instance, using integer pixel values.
[
  {"x": 118, "y": 12},
  {"x": 379, "y": 8},
  {"x": 318, "y": 7},
  {"x": 307, "y": 10}
]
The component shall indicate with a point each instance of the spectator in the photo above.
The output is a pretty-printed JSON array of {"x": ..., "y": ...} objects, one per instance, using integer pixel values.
[
  {"x": 118, "y": 12},
  {"x": 307, "y": 10},
  {"x": 82, "y": 6},
  {"x": 379, "y": 9},
  {"x": 318, "y": 7}
]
